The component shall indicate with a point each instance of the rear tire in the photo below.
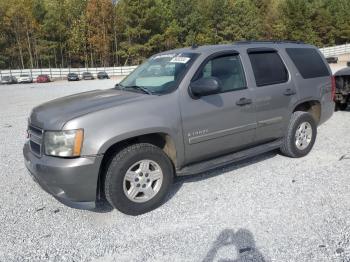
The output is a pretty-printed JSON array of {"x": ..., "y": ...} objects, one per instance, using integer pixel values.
[
  {"x": 130, "y": 186},
  {"x": 300, "y": 136}
]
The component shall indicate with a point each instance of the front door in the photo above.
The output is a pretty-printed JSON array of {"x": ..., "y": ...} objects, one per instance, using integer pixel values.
[{"x": 217, "y": 124}]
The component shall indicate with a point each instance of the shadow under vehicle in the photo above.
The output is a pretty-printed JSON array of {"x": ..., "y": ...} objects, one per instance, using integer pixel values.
[{"x": 342, "y": 93}]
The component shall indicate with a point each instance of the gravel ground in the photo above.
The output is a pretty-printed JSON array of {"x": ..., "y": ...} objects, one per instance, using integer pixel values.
[{"x": 269, "y": 208}]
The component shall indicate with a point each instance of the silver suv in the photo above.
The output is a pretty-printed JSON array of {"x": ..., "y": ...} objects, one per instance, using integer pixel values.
[{"x": 182, "y": 112}]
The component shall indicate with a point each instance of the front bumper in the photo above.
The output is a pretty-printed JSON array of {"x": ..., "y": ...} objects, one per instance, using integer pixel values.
[{"x": 71, "y": 181}]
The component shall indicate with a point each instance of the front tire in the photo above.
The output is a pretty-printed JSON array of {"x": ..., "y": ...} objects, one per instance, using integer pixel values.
[
  {"x": 138, "y": 179},
  {"x": 301, "y": 135}
]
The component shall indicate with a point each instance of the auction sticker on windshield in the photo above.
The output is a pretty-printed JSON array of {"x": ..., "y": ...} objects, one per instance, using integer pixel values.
[{"x": 180, "y": 59}]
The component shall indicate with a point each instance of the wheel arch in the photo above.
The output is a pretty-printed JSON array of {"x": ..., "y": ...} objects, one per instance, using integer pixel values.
[
  {"x": 160, "y": 139},
  {"x": 311, "y": 106}
]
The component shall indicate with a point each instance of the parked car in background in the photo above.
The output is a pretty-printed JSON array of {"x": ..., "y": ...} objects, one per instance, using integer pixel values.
[
  {"x": 332, "y": 60},
  {"x": 73, "y": 77},
  {"x": 102, "y": 75},
  {"x": 88, "y": 76},
  {"x": 342, "y": 94},
  {"x": 25, "y": 79},
  {"x": 43, "y": 79},
  {"x": 182, "y": 112},
  {"x": 8, "y": 80}
]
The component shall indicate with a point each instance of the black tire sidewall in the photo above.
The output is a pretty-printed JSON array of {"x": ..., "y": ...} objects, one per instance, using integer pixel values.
[
  {"x": 118, "y": 169},
  {"x": 306, "y": 117}
]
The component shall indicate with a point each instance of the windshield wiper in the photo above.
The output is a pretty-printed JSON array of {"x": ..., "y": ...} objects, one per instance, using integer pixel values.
[{"x": 143, "y": 89}]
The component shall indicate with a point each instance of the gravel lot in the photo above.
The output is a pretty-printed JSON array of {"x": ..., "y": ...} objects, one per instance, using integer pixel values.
[{"x": 269, "y": 208}]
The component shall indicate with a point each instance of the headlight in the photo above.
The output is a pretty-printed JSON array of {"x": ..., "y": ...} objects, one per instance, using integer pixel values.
[{"x": 64, "y": 143}]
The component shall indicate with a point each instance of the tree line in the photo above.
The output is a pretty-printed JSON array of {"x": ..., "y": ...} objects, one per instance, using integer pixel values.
[{"x": 75, "y": 33}]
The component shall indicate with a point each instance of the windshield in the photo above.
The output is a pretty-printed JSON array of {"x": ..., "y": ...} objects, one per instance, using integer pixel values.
[{"x": 161, "y": 73}]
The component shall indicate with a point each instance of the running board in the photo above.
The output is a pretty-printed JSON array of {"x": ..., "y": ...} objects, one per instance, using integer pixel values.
[{"x": 227, "y": 159}]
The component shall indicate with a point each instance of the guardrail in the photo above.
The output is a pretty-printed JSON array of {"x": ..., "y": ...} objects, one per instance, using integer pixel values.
[
  {"x": 336, "y": 50},
  {"x": 61, "y": 73}
]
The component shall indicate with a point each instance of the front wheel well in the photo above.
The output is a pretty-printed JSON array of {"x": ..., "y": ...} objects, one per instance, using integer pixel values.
[
  {"x": 313, "y": 107},
  {"x": 161, "y": 140}
]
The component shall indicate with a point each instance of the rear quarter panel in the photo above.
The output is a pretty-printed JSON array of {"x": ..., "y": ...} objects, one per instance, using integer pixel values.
[{"x": 313, "y": 89}]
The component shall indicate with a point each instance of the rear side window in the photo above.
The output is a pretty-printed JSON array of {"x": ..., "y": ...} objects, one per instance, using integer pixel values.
[
  {"x": 308, "y": 62},
  {"x": 268, "y": 68}
]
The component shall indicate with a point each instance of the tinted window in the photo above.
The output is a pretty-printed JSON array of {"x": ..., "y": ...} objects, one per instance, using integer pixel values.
[
  {"x": 308, "y": 62},
  {"x": 228, "y": 69},
  {"x": 268, "y": 68}
]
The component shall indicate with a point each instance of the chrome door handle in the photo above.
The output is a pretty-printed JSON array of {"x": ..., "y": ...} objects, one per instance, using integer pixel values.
[
  {"x": 244, "y": 101},
  {"x": 289, "y": 92}
]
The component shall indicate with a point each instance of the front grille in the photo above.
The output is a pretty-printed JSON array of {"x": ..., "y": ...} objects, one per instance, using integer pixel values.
[{"x": 36, "y": 139}]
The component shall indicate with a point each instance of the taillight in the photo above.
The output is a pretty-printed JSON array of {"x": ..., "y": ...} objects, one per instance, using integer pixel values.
[{"x": 333, "y": 88}]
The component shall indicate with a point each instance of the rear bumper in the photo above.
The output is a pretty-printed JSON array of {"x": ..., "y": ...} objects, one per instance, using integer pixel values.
[{"x": 71, "y": 181}]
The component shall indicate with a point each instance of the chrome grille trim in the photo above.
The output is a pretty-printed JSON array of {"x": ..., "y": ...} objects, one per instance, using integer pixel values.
[{"x": 36, "y": 136}]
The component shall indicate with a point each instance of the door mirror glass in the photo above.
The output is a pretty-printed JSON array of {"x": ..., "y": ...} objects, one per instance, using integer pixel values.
[{"x": 205, "y": 87}]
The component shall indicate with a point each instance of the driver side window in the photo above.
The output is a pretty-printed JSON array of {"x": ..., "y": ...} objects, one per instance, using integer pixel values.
[{"x": 228, "y": 69}]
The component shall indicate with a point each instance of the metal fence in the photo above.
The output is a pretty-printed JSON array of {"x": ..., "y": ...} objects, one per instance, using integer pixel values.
[
  {"x": 336, "y": 50},
  {"x": 61, "y": 73}
]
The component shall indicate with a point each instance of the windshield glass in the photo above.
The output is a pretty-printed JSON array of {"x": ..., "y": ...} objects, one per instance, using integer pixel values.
[{"x": 161, "y": 73}]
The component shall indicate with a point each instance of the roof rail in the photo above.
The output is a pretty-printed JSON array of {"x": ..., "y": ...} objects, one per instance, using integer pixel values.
[{"x": 268, "y": 42}]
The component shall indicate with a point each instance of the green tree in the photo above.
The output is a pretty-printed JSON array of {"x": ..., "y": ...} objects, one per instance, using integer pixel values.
[
  {"x": 296, "y": 21},
  {"x": 244, "y": 22},
  {"x": 99, "y": 21}
]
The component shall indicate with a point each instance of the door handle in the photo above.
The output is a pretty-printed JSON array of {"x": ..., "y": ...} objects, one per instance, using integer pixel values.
[
  {"x": 289, "y": 92},
  {"x": 243, "y": 101}
]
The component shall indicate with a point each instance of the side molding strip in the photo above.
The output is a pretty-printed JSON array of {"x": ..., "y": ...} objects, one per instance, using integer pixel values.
[{"x": 220, "y": 133}]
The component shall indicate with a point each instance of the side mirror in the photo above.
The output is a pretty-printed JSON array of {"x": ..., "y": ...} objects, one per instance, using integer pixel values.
[{"x": 204, "y": 87}]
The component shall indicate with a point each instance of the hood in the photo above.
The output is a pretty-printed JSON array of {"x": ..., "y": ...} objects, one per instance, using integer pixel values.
[{"x": 54, "y": 114}]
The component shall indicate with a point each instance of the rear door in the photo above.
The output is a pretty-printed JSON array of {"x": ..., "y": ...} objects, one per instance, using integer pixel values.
[
  {"x": 217, "y": 124},
  {"x": 273, "y": 92}
]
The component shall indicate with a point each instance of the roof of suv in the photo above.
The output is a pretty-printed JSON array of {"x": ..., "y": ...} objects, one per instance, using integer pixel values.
[{"x": 239, "y": 45}]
